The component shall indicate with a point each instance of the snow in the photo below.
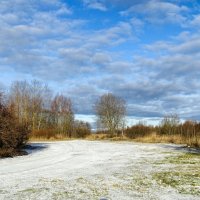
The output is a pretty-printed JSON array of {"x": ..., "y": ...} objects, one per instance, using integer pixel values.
[{"x": 88, "y": 170}]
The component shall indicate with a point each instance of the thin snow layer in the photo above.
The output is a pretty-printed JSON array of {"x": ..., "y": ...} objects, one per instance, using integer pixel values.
[{"x": 88, "y": 170}]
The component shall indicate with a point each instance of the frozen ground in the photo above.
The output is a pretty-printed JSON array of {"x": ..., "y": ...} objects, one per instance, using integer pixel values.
[{"x": 101, "y": 170}]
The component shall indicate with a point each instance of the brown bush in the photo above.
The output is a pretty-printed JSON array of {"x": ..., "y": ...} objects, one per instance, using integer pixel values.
[
  {"x": 81, "y": 129},
  {"x": 44, "y": 134},
  {"x": 138, "y": 130},
  {"x": 10, "y": 152},
  {"x": 6, "y": 153},
  {"x": 12, "y": 135}
]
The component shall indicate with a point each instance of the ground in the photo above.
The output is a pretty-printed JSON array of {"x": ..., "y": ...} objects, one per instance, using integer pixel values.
[{"x": 97, "y": 170}]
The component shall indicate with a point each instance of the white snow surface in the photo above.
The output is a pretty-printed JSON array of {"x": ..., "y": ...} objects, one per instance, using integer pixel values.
[{"x": 83, "y": 170}]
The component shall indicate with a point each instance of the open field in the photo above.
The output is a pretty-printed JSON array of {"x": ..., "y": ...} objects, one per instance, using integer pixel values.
[{"x": 102, "y": 170}]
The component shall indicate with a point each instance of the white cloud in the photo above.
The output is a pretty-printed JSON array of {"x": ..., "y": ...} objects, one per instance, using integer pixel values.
[
  {"x": 196, "y": 21},
  {"x": 95, "y": 4},
  {"x": 85, "y": 63},
  {"x": 101, "y": 58},
  {"x": 63, "y": 10},
  {"x": 156, "y": 11}
]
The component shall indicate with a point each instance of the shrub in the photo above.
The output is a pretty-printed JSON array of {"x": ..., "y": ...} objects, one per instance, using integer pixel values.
[
  {"x": 138, "y": 130},
  {"x": 12, "y": 135},
  {"x": 82, "y": 129},
  {"x": 44, "y": 133}
]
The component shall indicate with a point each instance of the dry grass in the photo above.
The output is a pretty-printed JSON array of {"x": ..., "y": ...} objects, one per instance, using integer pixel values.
[
  {"x": 103, "y": 136},
  {"x": 176, "y": 139},
  {"x": 53, "y": 135},
  {"x": 56, "y": 137},
  {"x": 47, "y": 135},
  {"x": 155, "y": 138},
  {"x": 97, "y": 137},
  {"x": 151, "y": 138}
]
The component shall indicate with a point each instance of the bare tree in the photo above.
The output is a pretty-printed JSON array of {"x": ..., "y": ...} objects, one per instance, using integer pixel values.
[
  {"x": 169, "y": 124},
  {"x": 40, "y": 96},
  {"x": 29, "y": 100},
  {"x": 61, "y": 108},
  {"x": 81, "y": 129},
  {"x": 20, "y": 99},
  {"x": 110, "y": 111}
]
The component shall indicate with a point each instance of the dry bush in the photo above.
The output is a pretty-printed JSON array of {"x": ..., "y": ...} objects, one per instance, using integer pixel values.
[
  {"x": 190, "y": 132},
  {"x": 81, "y": 132},
  {"x": 4, "y": 153},
  {"x": 81, "y": 129},
  {"x": 10, "y": 152},
  {"x": 48, "y": 134},
  {"x": 138, "y": 130},
  {"x": 13, "y": 136},
  {"x": 106, "y": 136},
  {"x": 43, "y": 134},
  {"x": 169, "y": 131},
  {"x": 98, "y": 136},
  {"x": 157, "y": 138}
]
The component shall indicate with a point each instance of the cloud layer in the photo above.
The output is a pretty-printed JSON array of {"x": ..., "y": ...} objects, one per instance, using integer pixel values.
[{"x": 147, "y": 52}]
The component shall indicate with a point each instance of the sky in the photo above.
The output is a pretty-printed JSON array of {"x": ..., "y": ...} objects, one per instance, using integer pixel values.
[{"x": 147, "y": 52}]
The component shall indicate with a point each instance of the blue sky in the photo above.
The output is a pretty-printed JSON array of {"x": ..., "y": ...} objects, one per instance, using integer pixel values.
[{"x": 147, "y": 52}]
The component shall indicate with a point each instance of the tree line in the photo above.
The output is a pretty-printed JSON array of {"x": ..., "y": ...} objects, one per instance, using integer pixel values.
[
  {"x": 111, "y": 112},
  {"x": 30, "y": 109},
  {"x": 170, "y": 130},
  {"x": 34, "y": 104}
]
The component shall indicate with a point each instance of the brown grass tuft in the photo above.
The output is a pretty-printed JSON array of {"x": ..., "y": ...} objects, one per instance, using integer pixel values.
[{"x": 156, "y": 138}]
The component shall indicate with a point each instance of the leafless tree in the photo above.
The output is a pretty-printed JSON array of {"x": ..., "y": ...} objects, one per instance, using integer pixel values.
[
  {"x": 62, "y": 110},
  {"x": 20, "y": 99},
  {"x": 29, "y": 100},
  {"x": 169, "y": 124},
  {"x": 81, "y": 129},
  {"x": 110, "y": 111},
  {"x": 40, "y": 96}
]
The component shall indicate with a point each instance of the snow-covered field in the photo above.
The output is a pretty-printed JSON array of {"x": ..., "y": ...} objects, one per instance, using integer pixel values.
[{"x": 96, "y": 170}]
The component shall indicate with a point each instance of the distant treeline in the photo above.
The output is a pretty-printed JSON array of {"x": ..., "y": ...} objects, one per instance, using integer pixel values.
[
  {"x": 111, "y": 111},
  {"x": 30, "y": 110},
  {"x": 46, "y": 115},
  {"x": 187, "y": 132},
  {"x": 170, "y": 128}
]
